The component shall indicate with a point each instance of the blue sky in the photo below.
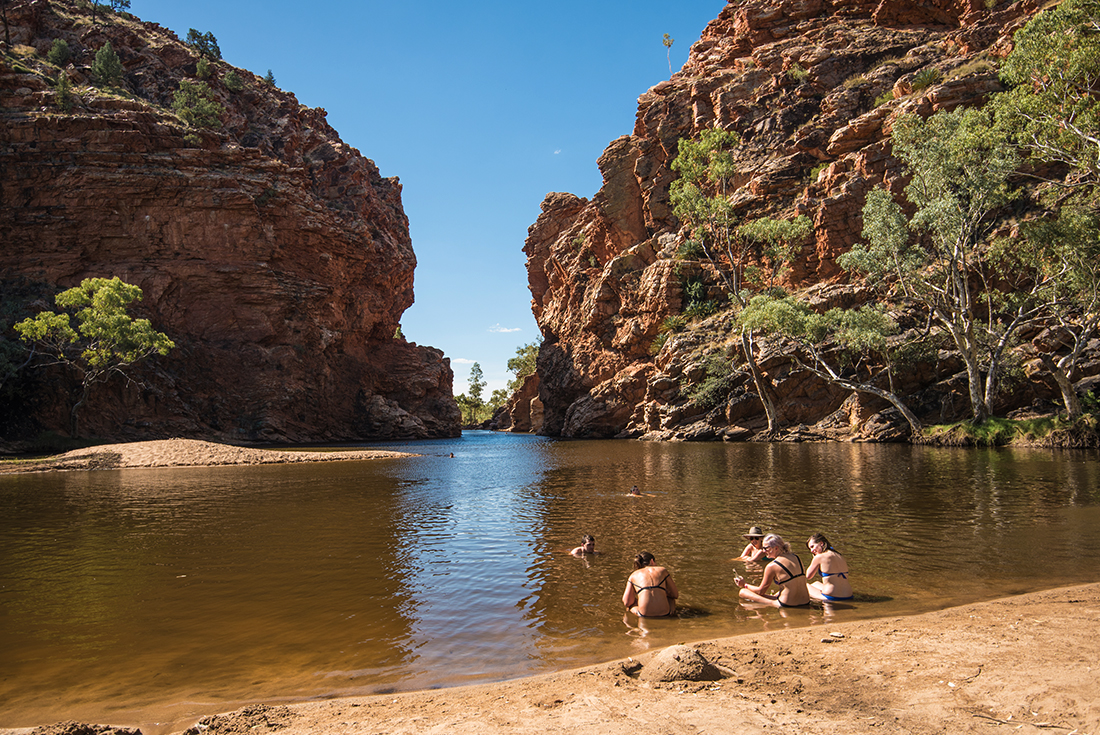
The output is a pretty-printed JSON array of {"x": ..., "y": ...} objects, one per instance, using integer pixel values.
[{"x": 480, "y": 109}]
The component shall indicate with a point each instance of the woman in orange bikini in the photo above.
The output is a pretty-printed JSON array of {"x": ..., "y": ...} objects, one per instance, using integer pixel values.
[
  {"x": 650, "y": 590},
  {"x": 785, "y": 571}
]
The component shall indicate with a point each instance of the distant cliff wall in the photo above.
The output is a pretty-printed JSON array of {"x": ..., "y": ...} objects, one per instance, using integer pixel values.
[
  {"x": 812, "y": 87},
  {"x": 275, "y": 255}
]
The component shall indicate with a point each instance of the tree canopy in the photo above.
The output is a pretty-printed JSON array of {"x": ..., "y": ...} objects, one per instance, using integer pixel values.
[{"x": 106, "y": 341}]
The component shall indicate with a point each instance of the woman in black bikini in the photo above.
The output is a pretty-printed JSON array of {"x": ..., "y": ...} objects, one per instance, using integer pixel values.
[
  {"x": 785, "y": 571},
  {"x": 650, "y": 591}
]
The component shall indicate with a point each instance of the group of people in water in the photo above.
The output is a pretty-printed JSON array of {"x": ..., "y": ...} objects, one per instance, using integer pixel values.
[{"x": 652, "y": 593}]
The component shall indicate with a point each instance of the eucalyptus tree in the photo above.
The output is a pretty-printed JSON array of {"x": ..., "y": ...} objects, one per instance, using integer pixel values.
[
  {"x": 940, "y": 257},
  {"x": 856, "y": 349},
  {"x": 106, "y": 340},
  {"x": 701, "y": 201}
]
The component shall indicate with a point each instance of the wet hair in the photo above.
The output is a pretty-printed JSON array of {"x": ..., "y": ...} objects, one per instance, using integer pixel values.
[
  {"x": 774, "y": 539},
  {"x": 642, "y": 560},
  {"x": 819, "y": 538},
  {"x": 588, "y": 537}
]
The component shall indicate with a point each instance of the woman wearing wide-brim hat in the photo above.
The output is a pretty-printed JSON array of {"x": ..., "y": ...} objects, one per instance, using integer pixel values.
[{"x": 754, "y": 552}]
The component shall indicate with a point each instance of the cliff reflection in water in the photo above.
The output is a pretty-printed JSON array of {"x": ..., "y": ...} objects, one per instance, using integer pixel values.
[{"x": 165, "y": 593}]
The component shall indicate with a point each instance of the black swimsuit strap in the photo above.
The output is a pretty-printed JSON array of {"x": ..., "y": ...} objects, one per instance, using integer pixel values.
[
  {"x": 658, "y": 586},
  {"x": 790, "y": 576}
]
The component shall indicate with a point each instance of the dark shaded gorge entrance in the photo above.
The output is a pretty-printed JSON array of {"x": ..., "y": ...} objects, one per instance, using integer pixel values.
[{"x": 153, "y": 596}]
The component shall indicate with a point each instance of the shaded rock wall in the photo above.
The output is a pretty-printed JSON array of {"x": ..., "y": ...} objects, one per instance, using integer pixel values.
[
  {"x": 812, "y": 87},
  {"x": 274, "y": 254}
]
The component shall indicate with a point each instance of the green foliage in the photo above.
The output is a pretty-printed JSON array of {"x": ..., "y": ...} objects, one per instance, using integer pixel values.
[
  {"x": 523, "y": 364},
  {"x": 204, "y": 43},
  {"x": 926, "y": 78},
  {"x": 474, "y": 408},
  {"x": 64, "y": 93},
  {"x": 715, "y": 388},
  {"x": 269, "y": 78},
  {"x": 232, "y": 81},
  {"x": 59, "y": 53},
  {"x": 119, "y": 5},
  {"x": 882, "y": 99},
  {"x": 797, "y": 73},
  {"x": 699, "y": 197},
  {"x": 107, "y": 69},
  {"x": 668, "y": 41},
  {"x": 196, "y": 106},
  {"x": 1052, "y": 108},
  {"x": 960, "y": 166},
  {"x": 672, "y": 324},
  {"x": 779, "y": 238},
  {"x": 105, "y": 341},
  {"x": 690, "y": 250},
  {"x": 204, "y": 69}
]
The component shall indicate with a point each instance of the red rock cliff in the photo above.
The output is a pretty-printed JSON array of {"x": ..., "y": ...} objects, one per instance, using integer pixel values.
[
  {"x": 274, "y": 254},
  {"x": 812, "y": 87}
]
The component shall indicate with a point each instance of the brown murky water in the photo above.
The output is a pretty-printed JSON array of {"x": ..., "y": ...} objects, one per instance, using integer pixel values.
[{"x": 152, "y": 597}]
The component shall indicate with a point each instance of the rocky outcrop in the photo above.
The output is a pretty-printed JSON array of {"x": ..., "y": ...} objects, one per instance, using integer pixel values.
[
  {"x": 274, "y": 254},
  {"x": 812, "y": 87}
]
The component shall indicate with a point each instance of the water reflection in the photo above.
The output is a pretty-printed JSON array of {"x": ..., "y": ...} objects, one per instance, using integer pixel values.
[{"x": 164, "y": 594}]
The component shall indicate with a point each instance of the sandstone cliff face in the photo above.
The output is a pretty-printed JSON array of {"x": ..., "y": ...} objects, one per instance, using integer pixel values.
[
  {"x": 812, "y": 87},
  {"x": 275, "y": 255}
]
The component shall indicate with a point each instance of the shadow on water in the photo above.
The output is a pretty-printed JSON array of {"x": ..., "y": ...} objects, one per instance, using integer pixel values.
[{"x": 153, "y": 596}]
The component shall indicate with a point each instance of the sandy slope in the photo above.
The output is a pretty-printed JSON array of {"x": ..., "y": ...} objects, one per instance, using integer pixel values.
[{"x": 182, "y": 453}]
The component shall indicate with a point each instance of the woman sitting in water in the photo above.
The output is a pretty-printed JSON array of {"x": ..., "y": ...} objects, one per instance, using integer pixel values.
[
  {"x": 650, "y": 591},
  {"x": 834, "y": 585},
  {"x": 753, "y": 552},
  {"x": 785, "y": 571}
]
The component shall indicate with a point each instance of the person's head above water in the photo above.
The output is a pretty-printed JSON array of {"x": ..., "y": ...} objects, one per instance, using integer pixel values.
[
  {"x": 775, "y": 541},
  {"x": 644, "y": 559}
]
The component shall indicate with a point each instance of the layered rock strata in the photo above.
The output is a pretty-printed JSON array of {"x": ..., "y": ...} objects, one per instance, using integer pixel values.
[
  {"x": 274, "y": 254},
  {"x": 812, "y": 87}
]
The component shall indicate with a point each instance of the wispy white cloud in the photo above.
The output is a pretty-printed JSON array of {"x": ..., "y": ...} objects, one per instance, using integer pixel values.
[
  {"x": 557, "y": 152},
  {"x": 462, "y": 361},
  {"x": 504, "y": 330}
]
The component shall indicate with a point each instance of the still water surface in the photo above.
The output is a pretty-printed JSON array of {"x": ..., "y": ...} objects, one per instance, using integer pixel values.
[{"x": 151, "y": 597}]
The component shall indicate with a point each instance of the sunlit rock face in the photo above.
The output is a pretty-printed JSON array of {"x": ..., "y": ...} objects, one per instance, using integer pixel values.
[
  {"x": 274, "y": 254},
  {"x": 813, "y": 88}
]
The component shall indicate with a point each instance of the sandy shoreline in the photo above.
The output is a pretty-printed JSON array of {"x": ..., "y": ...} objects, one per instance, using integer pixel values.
[
  {"x": 183, "y": 453},
  {"x": 1029, "y": 663}
]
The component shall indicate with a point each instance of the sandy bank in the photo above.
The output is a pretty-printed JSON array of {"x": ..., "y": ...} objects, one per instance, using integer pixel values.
[
  {"x": 1023, "y": 664},
  {"x": 182, "y": 453}
]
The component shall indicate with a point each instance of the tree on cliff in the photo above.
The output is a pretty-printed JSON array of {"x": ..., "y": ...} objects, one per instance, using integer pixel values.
[
  {"x": 523, "y": 364},
  {"x": 700, "y": 200},
  {"x": 852, "y": 348},
  {"x": 195, "y": 104},
  {"x": 668, "y": 41},
  {"x": 105, "y": 342},
  {"x": 941, "y": 257},
  {"x": 205, "y": 43},
  {"x": 107, "y": 69},
  {"x": 1053, "y": 106},
  {"x": 1052, "y": 111}
]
